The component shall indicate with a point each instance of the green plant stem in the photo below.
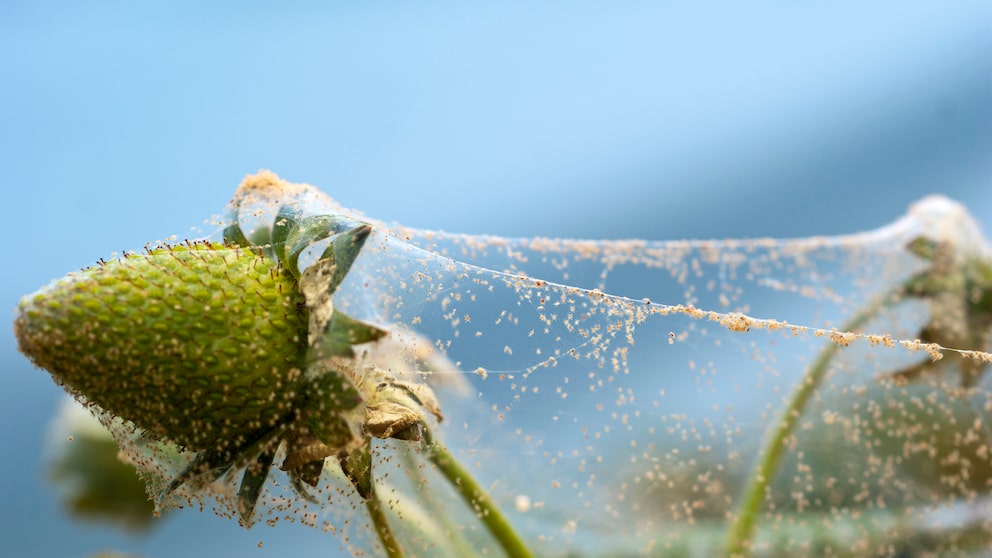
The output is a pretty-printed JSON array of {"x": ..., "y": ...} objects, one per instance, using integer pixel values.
[
  {"x": 381, "y": 524},
  {"x": 742, "y": 529},
  {"x": 477, "y": 499},
  {"x": 455, "y": 540}
]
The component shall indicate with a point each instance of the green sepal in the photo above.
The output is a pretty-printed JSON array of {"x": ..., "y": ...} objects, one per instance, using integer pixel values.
[
  {"x": 329, "y": 396},
  {"x": 309, "y": 473},
  {"x": 979, "y": 285},
  {"x": 923, "y": 247},
  {"x": 343, "y": 331},
  {"x": 332, "y": 333},
  {"x": 331, "y": 429},
  {"x": 412, "y": 433},
  {"x": 308, "y": 231},
  {"x": 333, "y": 391},
  {"x": 958, "y": 289},
  {"x": 254, "y": 478},
  {"x": 234, "y": 235},
  {"x": 286, "y": 222},
  {"x": 211, "y": 464},
  {"x": 344, "y": 250},
  {"x": 302, "y": 479},
  {"x": 357, "y": 466},
  {"x": 939, "y": 276},
  {"x": 925, "y": 284}
]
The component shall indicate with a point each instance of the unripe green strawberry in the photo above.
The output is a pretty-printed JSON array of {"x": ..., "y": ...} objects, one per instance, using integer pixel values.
[{"x": 201, "y": 344}]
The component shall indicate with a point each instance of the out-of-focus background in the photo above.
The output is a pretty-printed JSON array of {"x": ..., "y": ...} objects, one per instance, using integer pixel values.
[{"x": 122, "y": 124}]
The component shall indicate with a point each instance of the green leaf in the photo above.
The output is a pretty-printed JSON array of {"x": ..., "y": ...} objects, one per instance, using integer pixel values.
[{"x": 96, "y": 484}]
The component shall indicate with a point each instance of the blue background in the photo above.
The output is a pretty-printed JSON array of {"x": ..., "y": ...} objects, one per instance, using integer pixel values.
[{"x": 123, "y": 124}]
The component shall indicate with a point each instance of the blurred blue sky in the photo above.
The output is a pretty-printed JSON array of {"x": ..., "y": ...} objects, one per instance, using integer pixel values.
[{"x": 124, "y": 123}]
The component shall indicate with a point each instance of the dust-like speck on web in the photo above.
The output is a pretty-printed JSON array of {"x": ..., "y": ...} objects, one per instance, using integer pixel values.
[{"x": 614, "y": 396}]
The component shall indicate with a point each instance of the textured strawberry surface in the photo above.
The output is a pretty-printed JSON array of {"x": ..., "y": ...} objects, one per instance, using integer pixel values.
[{"x": 199, "y": 343}]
